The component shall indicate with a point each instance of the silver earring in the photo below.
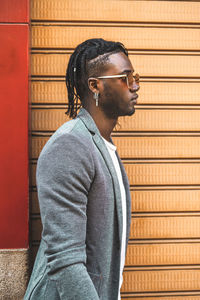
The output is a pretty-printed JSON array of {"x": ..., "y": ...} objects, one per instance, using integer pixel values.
[{"x": 96, "y": 97}]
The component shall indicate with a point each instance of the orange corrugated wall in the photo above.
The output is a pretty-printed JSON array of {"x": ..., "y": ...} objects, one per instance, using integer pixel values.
[{"x": 160, "y": 144}]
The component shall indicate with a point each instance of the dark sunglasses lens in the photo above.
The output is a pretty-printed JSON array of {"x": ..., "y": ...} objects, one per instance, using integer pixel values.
[
  {"x": 133, "y": 78},
  {"x": 137, "y": 78},
  {"x": 130, "y": 79}
]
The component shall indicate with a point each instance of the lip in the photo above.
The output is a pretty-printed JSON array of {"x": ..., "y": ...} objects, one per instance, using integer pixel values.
[{"x": 134, "y": 99}]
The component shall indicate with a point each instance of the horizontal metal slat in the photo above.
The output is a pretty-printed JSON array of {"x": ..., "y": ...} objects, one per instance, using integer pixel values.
[
  {"x": 47, "y": 119},
  {"x": 163, "y": 254},
  {"x": 163, "y": 296},
  {"x": 147, "y": 65},
  {"x": 44, "y": 119},
  {"x": 165, "y": 200},
  {"x": 171, "y": 280},
  {"x": 169, "y": 255},
  {"x": 158, "y": 147},
  {"x": 151, "y": 92},
  {"x": 149, "y": 228},
  {"x": 156, "y": 38},
  {"x": 155, "y": 174},
  {"x": 148, "y": 201},
  {"x": 156, "y": 254},
  {"x": 165, "y": 227},
  {"x": 163, "y": 174},
  {"x": 49, "y": 92},
  {"x": 142, "y": 147},
  {"x": 119, "y": 11}
]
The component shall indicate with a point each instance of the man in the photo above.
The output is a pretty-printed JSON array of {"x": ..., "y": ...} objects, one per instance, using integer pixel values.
[{"x": 82, "y": 186}]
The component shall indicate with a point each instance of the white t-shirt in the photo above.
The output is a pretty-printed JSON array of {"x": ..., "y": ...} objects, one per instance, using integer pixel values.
[{"x": 112, "y": 151}]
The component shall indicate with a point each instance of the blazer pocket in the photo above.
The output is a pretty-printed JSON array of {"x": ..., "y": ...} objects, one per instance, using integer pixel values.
[{"x": 97, "y": 281}]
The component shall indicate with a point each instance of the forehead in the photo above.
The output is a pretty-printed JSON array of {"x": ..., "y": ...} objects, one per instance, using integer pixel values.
[{"x": 119, "y": 63}]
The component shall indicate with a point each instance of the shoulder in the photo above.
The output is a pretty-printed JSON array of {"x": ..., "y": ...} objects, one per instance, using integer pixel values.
[
  {"x": 70, "y": 145},
  {"x": 69, "y": 136}
]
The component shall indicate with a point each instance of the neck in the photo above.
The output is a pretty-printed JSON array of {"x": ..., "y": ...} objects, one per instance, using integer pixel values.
[
  {"x": 105, "y": 126},
  {"x": 103, "y": 123}
]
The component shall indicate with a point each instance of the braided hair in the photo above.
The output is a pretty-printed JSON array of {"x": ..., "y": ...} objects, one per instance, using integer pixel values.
[{"x": 87, "y": 60}]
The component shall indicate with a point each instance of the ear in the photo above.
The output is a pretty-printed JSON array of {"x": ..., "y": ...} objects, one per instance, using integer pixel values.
[{"x": 93, "y": 85}]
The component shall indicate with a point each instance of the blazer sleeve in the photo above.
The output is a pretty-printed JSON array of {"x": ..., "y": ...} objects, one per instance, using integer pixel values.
[{"x": 65, "y": 173}]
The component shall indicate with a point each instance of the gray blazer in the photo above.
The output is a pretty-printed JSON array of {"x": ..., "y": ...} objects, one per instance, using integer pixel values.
[{"x": 81, "y": 212}]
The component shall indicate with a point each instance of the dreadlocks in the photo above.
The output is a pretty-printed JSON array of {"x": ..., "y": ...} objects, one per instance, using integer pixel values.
[{"x": 88, "y": 59}]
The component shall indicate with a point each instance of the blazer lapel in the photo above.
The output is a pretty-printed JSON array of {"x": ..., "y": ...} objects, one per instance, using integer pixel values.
[
  {"x": 117, "y": 193},
  {"x": 90, "y": 124}
]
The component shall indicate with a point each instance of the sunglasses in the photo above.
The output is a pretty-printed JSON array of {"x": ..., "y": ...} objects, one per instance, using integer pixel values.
[{"x": 130, "y": 78}]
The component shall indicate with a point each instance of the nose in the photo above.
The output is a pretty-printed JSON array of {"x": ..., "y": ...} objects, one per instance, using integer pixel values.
[{"x": 134, "y": 88}]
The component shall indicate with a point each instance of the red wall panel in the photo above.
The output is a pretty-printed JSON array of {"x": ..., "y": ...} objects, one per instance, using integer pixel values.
[
  {"x": 14, "y": 11},
  {"x": 14, "y": 136}
]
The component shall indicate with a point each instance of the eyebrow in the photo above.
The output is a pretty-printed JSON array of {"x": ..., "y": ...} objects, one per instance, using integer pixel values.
[{"x": 128, "y": 71}]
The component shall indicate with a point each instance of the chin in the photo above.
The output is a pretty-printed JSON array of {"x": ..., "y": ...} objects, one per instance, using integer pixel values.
[
  {"x": 127, "y": 113},
  {"x": 131, "y": 112}
]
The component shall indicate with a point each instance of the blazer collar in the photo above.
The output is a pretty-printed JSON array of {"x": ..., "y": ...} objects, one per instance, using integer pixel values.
[
  {"x": 88, "y": 121},
  {"x": 91, "y": 126}
]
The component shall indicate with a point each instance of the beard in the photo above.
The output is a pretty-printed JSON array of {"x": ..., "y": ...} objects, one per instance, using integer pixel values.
[{"x": 111, "y": 105}]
